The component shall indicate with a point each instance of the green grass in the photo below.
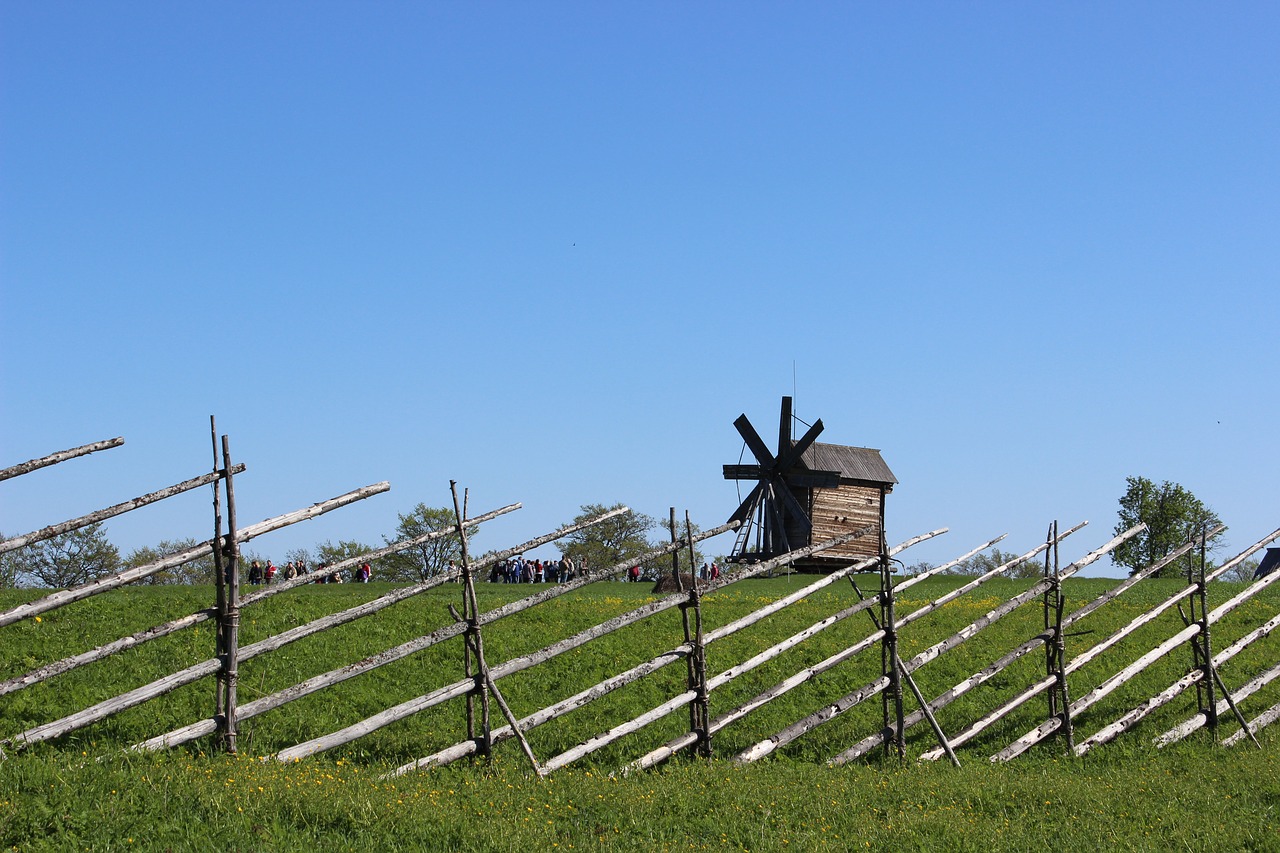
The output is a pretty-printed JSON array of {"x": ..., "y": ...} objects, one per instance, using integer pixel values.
[{"x": 82, "y": 791}]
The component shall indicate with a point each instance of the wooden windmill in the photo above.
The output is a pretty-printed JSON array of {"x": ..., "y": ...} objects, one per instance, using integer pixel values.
[{"x": 806, "y": 493}]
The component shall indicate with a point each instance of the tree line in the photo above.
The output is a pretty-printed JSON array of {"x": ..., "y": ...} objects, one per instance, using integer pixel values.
[{"x": 86, "y": 554}]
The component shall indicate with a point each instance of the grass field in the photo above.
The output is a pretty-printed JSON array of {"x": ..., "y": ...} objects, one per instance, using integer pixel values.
[{"x": 84, "y": 791}]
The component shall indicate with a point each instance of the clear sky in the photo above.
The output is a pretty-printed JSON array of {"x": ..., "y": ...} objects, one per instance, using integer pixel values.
[{"x": 552, "y": 250}]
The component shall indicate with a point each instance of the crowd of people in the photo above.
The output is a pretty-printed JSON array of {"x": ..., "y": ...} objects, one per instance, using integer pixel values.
[
  {"x": 515, "y": 570},
  {"x": 520, "y": 570},
  {"x": 266, "y": 574}
]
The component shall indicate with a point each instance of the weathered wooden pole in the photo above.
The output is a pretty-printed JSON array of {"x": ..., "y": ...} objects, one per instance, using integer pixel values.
[
  {"x": 701, "y": 703},
  {"x": 231, "y": 631},
  {"x": 15, "y": 542},
  {"x": 484, "y": 743},
  {"x": 1210, "y": 708},
  {"x": 219, "y": 581},
  {"x": 1060, "y": 649},
  {"x": 889, "y": 647},
  {"x": 60, "y": 456},
  {"x": 1047, "y": 607}
]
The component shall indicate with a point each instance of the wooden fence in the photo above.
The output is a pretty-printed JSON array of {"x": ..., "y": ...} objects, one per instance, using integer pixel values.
[{"x": 478, "y": 681}]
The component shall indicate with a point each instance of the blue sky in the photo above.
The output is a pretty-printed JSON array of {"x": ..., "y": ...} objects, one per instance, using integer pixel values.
[{"x": 552, "y": 250}]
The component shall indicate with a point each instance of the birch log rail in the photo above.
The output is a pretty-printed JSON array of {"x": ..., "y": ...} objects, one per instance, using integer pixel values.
[
  {"x": 421, "y": 703},
  {"x": 1200, "y": 720},
  {"x": 53, "y": 530},
  {"x": 680, "y": 742},
  {"x": 67, "y": 664},
  {"x": 60, "y": 456},
  {"x": 1042, "y": 731},
  {"x": 956, "y": 691},
  {"x": 465, "y": 748},
  {"x": 66, "y": 596},
  {"x": 681, "y": 700},
  {"x": 1127, "y": 721},
  {"x": 1256, "y": 725},
  {"x": 266, "y": 703},
  {"x": 834, "y": 709},
  {"x": 1096, "y": 650},
  {"x": 971, "y": 630}
]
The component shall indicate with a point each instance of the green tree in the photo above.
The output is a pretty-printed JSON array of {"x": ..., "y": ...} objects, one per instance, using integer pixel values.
[
  {"x": 1172, "y": 514},
  {"x": 68, "y": 560},
  {"x": 620, "y": 538},
  {"x": 330, "y": 553},
  {"x": 980, "y": 564},
  {"x": 430, "y": 558},
  {"x": 197, "y": 571}
]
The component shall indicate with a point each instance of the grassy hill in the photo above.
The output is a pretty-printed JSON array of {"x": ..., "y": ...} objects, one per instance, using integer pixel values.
[{"x": 83, "y": 790}]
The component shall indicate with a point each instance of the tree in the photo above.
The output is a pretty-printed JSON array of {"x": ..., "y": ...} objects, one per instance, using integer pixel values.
[
  {"x": 1241, "y": 572},
  {"x": 980, "y": 564},
  {"x": 69, "y": 559},
  {"x": 1173, "y": 516},
  {"x": 199, "y": 570},
  {"x": 621, "y": 538},
  {"x": 427, "y": 559},
  {"x": 329, "y": 553}
]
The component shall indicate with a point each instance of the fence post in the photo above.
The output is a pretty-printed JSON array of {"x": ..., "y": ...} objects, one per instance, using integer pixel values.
[
  {"x": 700, "y": 708},
  {"x": 891, "y": 698},
  {"x": 1060, "y": 648},
  {"x": 219, "y": 585},
  {"x": 231, "y": 621}
]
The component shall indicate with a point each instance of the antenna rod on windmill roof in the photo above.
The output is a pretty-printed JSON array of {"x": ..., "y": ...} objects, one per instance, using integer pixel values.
[{"x": 784, "y": 427}]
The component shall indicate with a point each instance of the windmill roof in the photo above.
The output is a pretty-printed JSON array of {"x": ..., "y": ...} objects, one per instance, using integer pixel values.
[
  {"x": 1268, "y": 564},
  {"x": 853, "y": 463}
]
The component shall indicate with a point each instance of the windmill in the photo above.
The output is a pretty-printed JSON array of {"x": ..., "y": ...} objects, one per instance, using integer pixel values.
[{"x": 805, "y": 493}]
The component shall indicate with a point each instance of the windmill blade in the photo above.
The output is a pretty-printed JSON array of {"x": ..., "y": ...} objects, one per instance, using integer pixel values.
[
  {"x": 753, "y": 440},
  {"x": 748, "y": 506},
  {"x": 743, "y": 472},
  {"x": 781, "y": 492},
  {"x": 810, "y": 479},
  {"x": 780, "y": 544},
  {"x": 798, "y": 449}
]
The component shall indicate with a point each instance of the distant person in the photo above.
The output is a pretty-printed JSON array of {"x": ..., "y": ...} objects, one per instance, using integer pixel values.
[{"x": 255, "y": 573}]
